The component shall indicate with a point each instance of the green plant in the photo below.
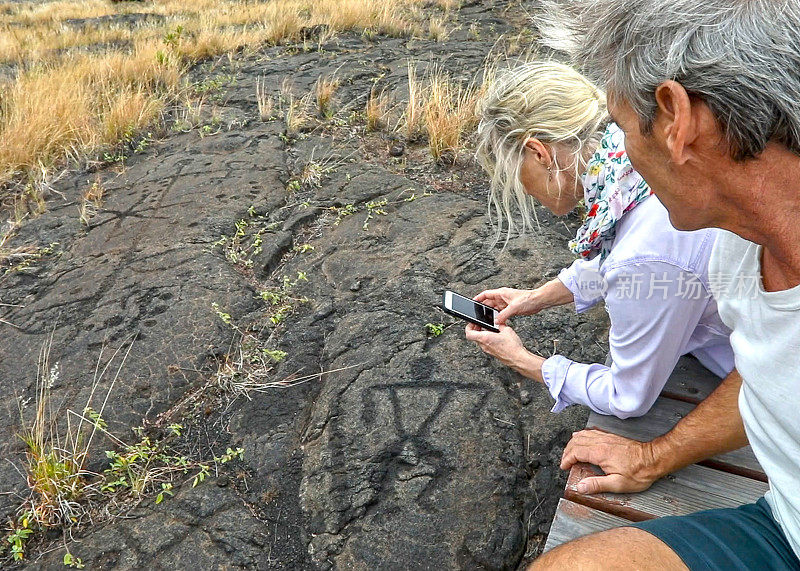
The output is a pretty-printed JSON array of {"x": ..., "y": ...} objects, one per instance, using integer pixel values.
[
  {"x": 434, "y": 329},
  {"x": 130, "y": 467},
  {"x": 343, "y": 211},
  {"x": 173, "y": 38},
  {"x": 281, "y": 300},
  {"x": 274, "y": 354},
  {"x": 17, "y": 539},
  {"x": 225, "y": 317},
  {"x": 245, "y": 242},
  {"x": 374, "y": 207},
  {"x": 23, "y": 259},
  {"x": 303, "y": 248},
  {"x": 114, "y": 157},
  {"x": 166, "y": 488},
  {"x": 54, "y": 461},
  {"x": 72, "y": 561},
  {"x": 143, "y": 143}
]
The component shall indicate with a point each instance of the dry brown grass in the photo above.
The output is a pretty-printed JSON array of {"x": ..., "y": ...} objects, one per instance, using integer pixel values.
[
  {"x": 449, "y": 113},
  {"x": 82, "y": 88},
  {"x": 437, "y": 29},
  {"x": 72, "y": 109},
  {"x": 91, "y": 201},
  {"x": 266, "y": 105},
  {"x": 411, "y": 122},
  {"x": 296, "y": 113},
  {"x": 377, "y": 110},
  {"x": 442, "y": 109},
  {"x": 324, "y": 93}
]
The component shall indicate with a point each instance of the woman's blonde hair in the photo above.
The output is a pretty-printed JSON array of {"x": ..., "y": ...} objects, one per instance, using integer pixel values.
[{"x": 542, "y": 99}]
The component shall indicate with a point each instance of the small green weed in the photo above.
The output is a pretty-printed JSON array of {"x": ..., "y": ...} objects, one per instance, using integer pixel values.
[
  {"x": 343, "y": 211},
  {"x": 435, "y": 329},
  {"x": 71, "y": 561},
  {"x": 173, "y": 38},
  {"x": 24, "y": 259},
  {"x": 303, "y": 248},
  {"x": 17, "y": 539},
  {"x": 63, "y": 494},
  {"x": 246, "y": 241},
  {"x": 281, "y": 300},
  {"x": 374, "y": 207},
  {"x": 225, "y": 317}
]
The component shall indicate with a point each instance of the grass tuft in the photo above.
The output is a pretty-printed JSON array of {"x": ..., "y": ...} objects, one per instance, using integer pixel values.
[
  {"x": 412, "y": 117},
  {"x": 449, "y": 113},
  {"x": 377, "y": 110},
  {"x": 324, "y": 93},
  {"x": 437, "y": 29},
  {"x": 63, "y": 493},
  {"x": 91, "y": 201},
  {"x": 265, "y": 102},
  {"x": 297, "y": 113},
  {"x": 442, "y": 109}
]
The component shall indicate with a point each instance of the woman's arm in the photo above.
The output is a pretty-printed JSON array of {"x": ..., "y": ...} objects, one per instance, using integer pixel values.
[
  {"x": 651, "y": 324},
  {"x": 513, "y": 302},
  {"x": 584, "y": 297}
]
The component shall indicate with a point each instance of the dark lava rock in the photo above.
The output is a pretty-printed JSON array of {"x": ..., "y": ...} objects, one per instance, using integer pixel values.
[
  {"x": 274, "y": 246},
  {"x": 391, "y": 451}
]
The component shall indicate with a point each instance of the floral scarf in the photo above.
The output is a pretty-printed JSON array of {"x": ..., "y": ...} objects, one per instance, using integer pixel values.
[{"x": 612, "y": 188}]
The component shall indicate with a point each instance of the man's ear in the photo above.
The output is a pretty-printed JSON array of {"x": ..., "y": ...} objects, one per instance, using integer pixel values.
[
  {"x": 540, "y": 151},
  {"x": 675, "y": 120}
]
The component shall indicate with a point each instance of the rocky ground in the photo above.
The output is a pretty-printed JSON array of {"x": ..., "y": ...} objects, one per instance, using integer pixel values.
[{"x": 410, "y": 450}]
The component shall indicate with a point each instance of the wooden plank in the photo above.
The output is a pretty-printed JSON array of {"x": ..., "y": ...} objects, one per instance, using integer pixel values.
[
  {"x": 691, "y": 489},
  {"x": 690, "y": 381},
  {"x": 574, "y": 520},
  {"x": 660, "y": 419}
]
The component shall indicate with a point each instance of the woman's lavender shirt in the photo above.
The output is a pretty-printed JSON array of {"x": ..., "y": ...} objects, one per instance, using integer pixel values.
[{"x": 655, "y": 285}]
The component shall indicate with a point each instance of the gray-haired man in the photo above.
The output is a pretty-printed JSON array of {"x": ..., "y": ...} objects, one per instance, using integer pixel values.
[{"x": 708, "y": 94}]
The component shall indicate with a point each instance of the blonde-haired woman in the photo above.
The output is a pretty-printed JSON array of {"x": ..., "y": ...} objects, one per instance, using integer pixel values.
[{"x": 545, "y": 134}]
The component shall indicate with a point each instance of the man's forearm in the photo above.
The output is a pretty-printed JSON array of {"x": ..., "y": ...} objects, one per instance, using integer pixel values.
[{"x": 713, "y": 427}]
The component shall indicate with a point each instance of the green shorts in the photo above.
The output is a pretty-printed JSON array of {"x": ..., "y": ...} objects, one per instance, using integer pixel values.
[{"x": 746, "y": 537}]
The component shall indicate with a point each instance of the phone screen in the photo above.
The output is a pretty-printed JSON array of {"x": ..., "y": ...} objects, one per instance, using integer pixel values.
[{"x": 472, "y": 309}]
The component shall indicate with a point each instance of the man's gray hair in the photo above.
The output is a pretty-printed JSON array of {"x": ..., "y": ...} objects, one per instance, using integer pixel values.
[{"x": 742, "y": 57}]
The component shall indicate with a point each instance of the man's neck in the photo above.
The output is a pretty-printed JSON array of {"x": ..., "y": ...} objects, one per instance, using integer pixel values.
[{"x": 766, "y": 210}]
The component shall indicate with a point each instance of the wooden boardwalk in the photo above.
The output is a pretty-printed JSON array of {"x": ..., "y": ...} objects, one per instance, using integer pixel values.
[{"x": 727, "y": 480}]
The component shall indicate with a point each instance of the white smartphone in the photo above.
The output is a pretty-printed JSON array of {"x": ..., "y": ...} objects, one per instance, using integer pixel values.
[{"x": 469, "y": 310}]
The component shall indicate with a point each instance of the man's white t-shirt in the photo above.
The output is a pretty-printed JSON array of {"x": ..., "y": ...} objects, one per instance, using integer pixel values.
[{"x": 766, "y": 346}]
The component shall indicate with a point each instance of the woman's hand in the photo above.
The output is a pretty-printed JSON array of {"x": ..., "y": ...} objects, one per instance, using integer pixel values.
[
  {"x": 509, "y": 302},
  {"x": 512, "y": 302},
  {"x": 507, "y": 347}
]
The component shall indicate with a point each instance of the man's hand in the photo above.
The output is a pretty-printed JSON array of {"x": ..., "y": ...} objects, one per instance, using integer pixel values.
[
  {"x": 507, "y": 347},
  {"x": 714, "y": 427},
  {"x": 629, "y": 464}
]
